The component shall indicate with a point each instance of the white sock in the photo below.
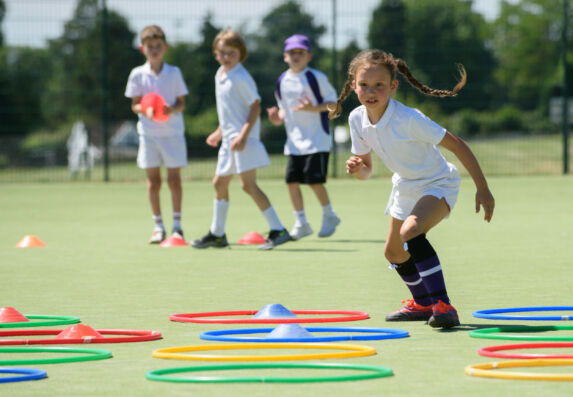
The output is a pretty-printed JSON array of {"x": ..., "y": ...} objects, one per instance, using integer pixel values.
[
  {"x": 158, "y": 219},
  {"x": 220, "y": 208},
  {"x": 273, "y": 219},
  {"x": 176, "y": 220},
  {"x": 327, "y": 210},
  {"x": 300, "y": 218}
]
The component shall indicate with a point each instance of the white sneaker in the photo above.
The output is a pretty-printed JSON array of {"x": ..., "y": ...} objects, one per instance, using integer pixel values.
[
  {"x": 300, "y": 231},
  {"x": 329, "y": 223},
  {"x": 157, "y": 237}
]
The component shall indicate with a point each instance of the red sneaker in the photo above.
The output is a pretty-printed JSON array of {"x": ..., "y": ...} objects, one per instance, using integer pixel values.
[
  {"x": 411, "y": 312},
  {"x": 444, "y": 316}
]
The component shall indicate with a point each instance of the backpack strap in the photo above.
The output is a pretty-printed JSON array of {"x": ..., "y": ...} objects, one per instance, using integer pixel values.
[
  {"x": 313, "y": 83},
  {"x": 278, "y": 87}
]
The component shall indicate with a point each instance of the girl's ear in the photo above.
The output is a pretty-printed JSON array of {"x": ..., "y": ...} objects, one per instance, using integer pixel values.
[
  {"x": 394, "y": 85},
  {"x": 353, "y": 85},
  {"x": 140, "y": 48}
]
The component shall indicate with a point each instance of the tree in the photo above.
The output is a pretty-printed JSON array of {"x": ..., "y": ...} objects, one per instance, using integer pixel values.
[
  {"x": 75, "y": 89},
  {"x": 198, "y": 66},
  {"x": 440, "y": 34},
  {"x": 387, "y": 29},
  {"x": 2, "y": 14},
  {"x": 528, "y": 44}
]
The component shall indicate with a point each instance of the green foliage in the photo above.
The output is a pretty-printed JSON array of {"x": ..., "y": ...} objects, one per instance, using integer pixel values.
[
  {"x": 527, "y": 38},
  {"x": 75, "y": 88}
]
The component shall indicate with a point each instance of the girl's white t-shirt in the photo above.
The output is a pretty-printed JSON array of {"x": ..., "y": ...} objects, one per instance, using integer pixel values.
[
  {"x": 404, "y": 138},
  {"x": 305, "y": 133},
  {"x": 170, "y": 85},
  {"x": 235, "y": 92}
]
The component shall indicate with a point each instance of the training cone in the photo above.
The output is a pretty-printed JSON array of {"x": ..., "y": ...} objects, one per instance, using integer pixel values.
[
  {"x": 292, "y": 331},
  {"x": 275, "y": 310},
  {"x": 252, "y": 238},
  {"x": 79, "y": 331},
  {"x": 30, "y": 241},
  {"x": 173, "y": 242},
  {"x": 11, "y": 315}
]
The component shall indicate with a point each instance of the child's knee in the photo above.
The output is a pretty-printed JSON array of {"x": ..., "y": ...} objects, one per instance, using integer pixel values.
[{"x": 410, "y": 229}]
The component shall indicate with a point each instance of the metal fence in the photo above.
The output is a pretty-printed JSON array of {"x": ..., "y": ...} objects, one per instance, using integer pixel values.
[{"x": 46, "y": 137}]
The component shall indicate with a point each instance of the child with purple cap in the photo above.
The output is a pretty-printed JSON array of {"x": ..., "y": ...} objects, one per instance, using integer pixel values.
[{"x": 303, "y": 95}]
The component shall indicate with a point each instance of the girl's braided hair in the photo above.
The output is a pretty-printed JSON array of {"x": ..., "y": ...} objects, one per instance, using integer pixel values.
[{"x": 394, "y": 65}]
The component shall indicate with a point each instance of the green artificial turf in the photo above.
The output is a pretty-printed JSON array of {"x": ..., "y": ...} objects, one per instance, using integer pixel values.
[{"x": 98, "y": 266}]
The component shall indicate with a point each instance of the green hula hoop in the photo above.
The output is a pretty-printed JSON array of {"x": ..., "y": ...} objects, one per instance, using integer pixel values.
[
  {"x": 90, "y": 355},
  {"x": 52, "y": 320},
  {"x": 374, "y": 372},
  {"x": 486, "y": 333}
]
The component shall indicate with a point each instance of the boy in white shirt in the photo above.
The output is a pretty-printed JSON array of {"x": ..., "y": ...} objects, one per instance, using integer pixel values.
[
  {"x": 303, "y": 95},
  {"x": 160, "y": 142},
  {"x": 241, "y": 152}
]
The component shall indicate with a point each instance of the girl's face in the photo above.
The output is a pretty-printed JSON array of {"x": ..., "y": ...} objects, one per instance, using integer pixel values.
[
  {"x": 227, "y": 56},
  {"x": 374, "y": 86}
]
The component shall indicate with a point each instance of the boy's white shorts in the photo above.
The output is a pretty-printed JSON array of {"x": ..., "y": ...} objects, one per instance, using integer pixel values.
[
  {"x": 154, "y": 151},
  {"x": 406, "y": 193},
  {"x": 231, "y": 162}
]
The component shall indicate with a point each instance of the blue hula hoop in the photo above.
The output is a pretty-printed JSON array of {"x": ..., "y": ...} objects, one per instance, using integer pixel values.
[
  {"x": 492, "y": 314},
  {"x": 380, "y": 333},
  {"x": 29, "y": 374}
]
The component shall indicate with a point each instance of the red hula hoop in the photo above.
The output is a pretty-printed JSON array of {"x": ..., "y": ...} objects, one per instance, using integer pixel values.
[
  {"x": 134, "y": 336},
  {"x": 350, "y": 315},
  {"x": 492, "y": 351}
]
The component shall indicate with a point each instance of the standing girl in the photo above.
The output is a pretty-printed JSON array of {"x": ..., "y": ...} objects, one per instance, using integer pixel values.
[{"x": 425, "y": 185}]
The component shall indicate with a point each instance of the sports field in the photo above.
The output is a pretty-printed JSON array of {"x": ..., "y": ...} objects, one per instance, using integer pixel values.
[{"x": 98, "y": 266}]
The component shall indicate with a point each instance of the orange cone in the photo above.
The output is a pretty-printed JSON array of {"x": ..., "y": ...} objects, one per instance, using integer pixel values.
[
  {"x": 11, "y": 315},
  {"x": 173, "y": 242},
  {"x": 79, "y": 331},
  {"x": 252, "y": 238},
  {"x": 30, "y": 241}
]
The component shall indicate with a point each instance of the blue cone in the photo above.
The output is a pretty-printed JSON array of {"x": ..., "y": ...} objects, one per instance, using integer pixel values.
[
  {"x": 289, "y": 331},
  {"x": 275, "y": 310}
]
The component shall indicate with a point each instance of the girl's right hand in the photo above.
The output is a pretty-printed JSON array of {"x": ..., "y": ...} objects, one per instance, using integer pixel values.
[
  {"x": 354, "y": 164},
  {"x": 214, "y": 138}
]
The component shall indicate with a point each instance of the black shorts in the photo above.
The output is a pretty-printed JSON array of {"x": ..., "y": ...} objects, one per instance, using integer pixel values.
[{"x": 308, "y": 168}]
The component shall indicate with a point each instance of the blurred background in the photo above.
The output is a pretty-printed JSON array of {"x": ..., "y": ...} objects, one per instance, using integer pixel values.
[{"x": 64, "y": 66}]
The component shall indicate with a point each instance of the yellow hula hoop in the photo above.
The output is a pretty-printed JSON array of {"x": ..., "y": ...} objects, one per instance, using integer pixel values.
[
  {"x": 485, "y": 369},
  {"x": 174, "y": 353}
]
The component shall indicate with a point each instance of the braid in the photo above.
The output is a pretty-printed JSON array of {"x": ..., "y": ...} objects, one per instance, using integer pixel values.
[
  {"x": 405, "y": 71},
  {"x": 334, "y": 112}
]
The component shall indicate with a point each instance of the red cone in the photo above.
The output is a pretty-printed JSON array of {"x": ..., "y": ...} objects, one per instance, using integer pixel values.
[
  {"x": 173, "y": 242},
  {"x": 79, "y": 331},
  {"x": 11, "y": 315},
  {"x": 252, "y": 238}
]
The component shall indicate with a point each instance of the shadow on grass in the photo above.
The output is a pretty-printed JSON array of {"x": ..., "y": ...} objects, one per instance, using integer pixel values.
[
  {"x": 472, "y": 327},
  {"x": 328, "y": 240}
]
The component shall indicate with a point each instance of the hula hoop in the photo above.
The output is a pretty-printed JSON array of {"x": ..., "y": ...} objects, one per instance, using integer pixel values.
[
  {"x": 492, "y": 351},
  {"x": 375, "y": 372},
  {"x": 346, "y": 315},
  {"x": 52, "y": 320},
  {"x": 381, "y": 333},
  {"x": 484, "y": 370},
  {"x": 135, "y": 336},
  {"x": 91, "y": 355},
  {"x": 486, "y": 333},
  {"x": 350, "y": 351},
  {"x": 29, "y": 374},
  {"x": 493, "y": 313}
]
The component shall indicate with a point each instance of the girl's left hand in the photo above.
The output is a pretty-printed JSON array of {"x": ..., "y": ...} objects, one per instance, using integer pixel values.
[
  {"x": 239, "y": 143},
  {"x": 485, "y": 199}
]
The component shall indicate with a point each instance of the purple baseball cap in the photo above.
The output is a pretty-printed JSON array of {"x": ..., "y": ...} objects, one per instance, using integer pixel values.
[{"x": 297, "y": 41}]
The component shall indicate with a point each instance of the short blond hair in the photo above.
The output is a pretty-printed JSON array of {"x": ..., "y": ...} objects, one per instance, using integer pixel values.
[
  {"x": 231, "y": 39},
  {"x": 152, "y": 32}
]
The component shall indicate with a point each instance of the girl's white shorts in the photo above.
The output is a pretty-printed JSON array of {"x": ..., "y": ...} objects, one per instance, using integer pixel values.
[
  {"x": 231, "y": 162},
  {"x": 168, "y": 150},
  {"x": 406, "y": 193}
]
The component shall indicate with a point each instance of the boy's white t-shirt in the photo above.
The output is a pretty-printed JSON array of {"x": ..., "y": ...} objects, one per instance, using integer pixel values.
[
  {"x": 305, "y": 133},
  {"x": 169, "y": 84},
  {"x": 404, "y": 138},
  {"x": 235, "y": 92}
]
